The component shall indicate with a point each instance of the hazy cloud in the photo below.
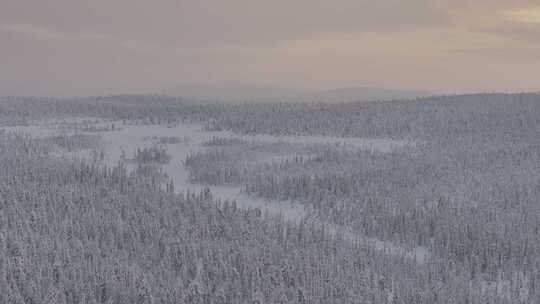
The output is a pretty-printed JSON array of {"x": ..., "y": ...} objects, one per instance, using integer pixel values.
[
  {"x": 205, "y": 22},
  {"x": 38, "y": 32},
  {"x": 524, "y": 15},
  {"x": 44, "y": 33},
  {"x": 103, "y": 45}
]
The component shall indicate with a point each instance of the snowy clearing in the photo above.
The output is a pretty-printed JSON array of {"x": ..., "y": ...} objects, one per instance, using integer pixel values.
[{"x": 120, "y": 140}]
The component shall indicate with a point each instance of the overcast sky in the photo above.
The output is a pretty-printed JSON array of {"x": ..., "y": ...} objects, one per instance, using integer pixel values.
[{"x": 111, "y": 46}]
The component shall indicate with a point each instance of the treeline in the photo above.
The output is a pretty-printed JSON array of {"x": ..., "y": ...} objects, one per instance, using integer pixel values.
[
  {"x": 430, "y": 118},
  {"x": 74, "y": 142},
  {"x": 148, "y": 109},
  {"x": 214, "y": 167},
  {"x": 153, "y": 154}
]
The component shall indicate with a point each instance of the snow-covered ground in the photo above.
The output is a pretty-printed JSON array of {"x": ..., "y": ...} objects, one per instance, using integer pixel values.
[{"x": 125, "y": 139}]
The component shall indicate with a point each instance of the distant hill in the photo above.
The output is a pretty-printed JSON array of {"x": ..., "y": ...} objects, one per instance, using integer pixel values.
[
  {"x": 234, "y": 93},
  {"x": 248, "y": 93},
  {"x": 262, "y": 93},
  {"x": 352, "y": 94}
]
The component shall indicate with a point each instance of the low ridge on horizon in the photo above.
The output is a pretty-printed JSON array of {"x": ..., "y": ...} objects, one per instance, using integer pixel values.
[{"x": 274, "y": 93}]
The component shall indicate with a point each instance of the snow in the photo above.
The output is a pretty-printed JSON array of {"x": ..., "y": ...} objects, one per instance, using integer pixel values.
[{"x": 127, "y": 138}]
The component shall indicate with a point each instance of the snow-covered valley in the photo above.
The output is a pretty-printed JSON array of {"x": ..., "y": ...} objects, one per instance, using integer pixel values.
[
  {"x": 397, "y": 203},
  {"x": 119, "y": 140}
]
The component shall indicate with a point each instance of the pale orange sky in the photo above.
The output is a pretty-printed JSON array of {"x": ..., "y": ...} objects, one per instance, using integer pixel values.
[{"x": 113, "y": 46}]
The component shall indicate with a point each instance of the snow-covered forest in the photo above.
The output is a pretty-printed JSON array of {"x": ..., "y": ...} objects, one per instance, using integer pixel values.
[{"x": 154, "y": 199}]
